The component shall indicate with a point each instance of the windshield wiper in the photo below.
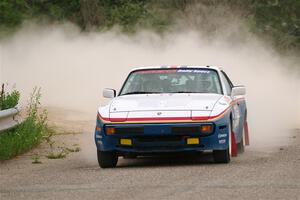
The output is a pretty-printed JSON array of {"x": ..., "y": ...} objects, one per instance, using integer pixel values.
[
  {"x": 185, "y": 92},
  {"x": 140, "y": 92}
]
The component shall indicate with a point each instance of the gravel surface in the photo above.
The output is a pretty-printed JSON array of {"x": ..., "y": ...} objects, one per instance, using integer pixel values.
[{"x": 252, "y": 175}]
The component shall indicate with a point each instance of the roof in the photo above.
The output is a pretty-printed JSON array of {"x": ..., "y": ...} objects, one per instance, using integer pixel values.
[{"x": 178, "y": 66}]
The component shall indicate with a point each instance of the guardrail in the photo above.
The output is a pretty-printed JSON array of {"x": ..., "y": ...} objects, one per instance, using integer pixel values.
[{"x": 8, "y": 118}]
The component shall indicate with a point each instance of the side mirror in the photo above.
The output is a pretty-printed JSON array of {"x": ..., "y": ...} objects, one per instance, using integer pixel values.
[
  {"x": 238, "y": 90},
  {"x": 109, "y": 93}
]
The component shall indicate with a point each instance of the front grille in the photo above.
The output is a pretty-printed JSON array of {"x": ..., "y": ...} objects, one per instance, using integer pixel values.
[
  {"x": 165, "y": 138},
  {"x": 183, "y": 130},
  {"x": 157, "y": 129},
  {"x": 129, "y": 130}
]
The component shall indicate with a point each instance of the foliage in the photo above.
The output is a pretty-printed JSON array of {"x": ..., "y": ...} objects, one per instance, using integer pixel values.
[
  {"x": 75, "y": 149},
  {"x": 276, "y": 19},
  {"x": 126, "y": 15},
  {"x": 61, "y": 152},
  {"x": 27, "y": 134},
  {"x": 279, "y": 19},
  {"x": 12, "y": 12},
  {"x": 36, "y": 159},
  {"x": 57, "y": 155},
  {"x": 8, "y": 100}
]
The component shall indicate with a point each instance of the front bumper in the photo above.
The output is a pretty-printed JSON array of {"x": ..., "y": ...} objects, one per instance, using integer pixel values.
[{"x": 159, "y": 138}]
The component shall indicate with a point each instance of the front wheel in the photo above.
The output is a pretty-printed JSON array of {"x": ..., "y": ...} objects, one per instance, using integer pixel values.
[
  {"x": 221, "y": 156},
  {"x": 107, "y": 159},
  {"x": 241, "y": 146}
]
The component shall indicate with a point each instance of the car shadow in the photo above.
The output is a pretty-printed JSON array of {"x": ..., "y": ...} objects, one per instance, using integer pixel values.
[{"x": 167, "y": 160}]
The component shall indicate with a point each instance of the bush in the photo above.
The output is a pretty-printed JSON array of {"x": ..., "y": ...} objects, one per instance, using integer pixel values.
[
  {"x": 8, "y": 100},
  {"x": 275, "y": 19},
  {"x": 27, "y": 134}
]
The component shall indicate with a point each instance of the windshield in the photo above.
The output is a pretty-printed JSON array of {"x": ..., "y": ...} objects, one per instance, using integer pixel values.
[{"x": 172, "y": 81}]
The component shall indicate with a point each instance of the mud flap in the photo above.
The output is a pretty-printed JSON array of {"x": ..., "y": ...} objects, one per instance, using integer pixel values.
[
  {"x": 246, "y": 133},
  {"x": 233, "y": 145}
]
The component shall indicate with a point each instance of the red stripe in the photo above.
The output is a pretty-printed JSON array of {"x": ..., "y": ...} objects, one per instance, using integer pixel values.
[
  {"x": 158, "y": 118},
  {"x": 104, "y": 118},
  {"x": 118, "y": 119},
  {"x": 162, "y": 118},
  {"x": 168, "y": 118}
]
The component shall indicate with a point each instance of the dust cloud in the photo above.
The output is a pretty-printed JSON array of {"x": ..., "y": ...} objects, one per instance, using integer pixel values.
[{"x": 72, "y": 68}]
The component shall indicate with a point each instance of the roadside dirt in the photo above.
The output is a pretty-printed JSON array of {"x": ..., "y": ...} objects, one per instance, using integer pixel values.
[{"x": 255, "y": 174}]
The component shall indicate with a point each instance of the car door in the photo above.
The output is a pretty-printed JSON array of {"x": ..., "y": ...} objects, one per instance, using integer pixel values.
[{"x": 236, "y": 112}]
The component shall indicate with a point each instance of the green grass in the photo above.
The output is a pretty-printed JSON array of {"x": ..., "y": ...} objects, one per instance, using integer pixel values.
[
  {"x": 8, "y": 99},
  {"x": 57, "y": 155},
  {"x": 36, "y": 159},
  {"x": 26, "y": 135},
  {"x": 75, "y": 149}
]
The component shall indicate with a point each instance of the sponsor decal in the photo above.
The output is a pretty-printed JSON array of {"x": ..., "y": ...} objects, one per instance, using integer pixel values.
[
  {"x": 222, "y": 135},
  {"x": 99, "y": 136},
  {"x": 159, "y": 71},
  {"x": 99, "y": 142},
  {"x": 222, "y": 141},
  {"x": 193, "y": 71}
]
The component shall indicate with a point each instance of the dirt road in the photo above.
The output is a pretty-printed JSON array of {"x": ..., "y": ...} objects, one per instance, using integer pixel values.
[{"x": 253, "y": 175}]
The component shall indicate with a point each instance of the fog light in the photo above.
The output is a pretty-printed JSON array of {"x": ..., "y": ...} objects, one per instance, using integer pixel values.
[
  {"x": 192, "y": 141},
  {"x": 126, "y": 142},
  {"x": 110, "y": 130},
  {"x": 206, "y": 129}
]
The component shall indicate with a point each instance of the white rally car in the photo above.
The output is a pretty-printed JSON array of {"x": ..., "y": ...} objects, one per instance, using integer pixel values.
[{"x": 172, "y": 109}]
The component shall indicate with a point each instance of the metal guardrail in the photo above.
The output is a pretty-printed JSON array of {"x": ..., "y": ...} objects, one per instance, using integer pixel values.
[{"x": 8, "y": 118}]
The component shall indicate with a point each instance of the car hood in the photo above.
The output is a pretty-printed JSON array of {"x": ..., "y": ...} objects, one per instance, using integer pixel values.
[{"x": 164, "y": 102}]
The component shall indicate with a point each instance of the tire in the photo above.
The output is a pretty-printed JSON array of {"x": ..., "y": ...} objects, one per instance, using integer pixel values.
[
  {"x": 241, "y": 146},
  {"x": 107, "y": 159},
  {"x": 223, "y": 156}
]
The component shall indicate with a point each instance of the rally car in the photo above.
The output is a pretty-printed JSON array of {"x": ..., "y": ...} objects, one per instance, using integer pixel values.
[{"x": 172, "y": 109}]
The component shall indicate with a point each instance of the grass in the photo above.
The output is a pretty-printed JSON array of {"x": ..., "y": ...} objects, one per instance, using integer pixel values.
[
  {"x": 31, "y": 133},
  {"x": 59, "y": 152},
  {"x": 36, "y": 159},
  {"x": 8, "y": 100},
  {"x": 28, "y": 134},
  {"x": 57, "y": 155},
  {"x": 75, "y": 149},
  {"x": 63, "y": 152}
]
